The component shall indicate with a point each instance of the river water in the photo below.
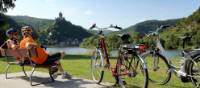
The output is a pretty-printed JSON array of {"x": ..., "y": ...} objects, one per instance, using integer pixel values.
[
  {"x": 70, "y": 50},
  {"x": 84, "y": 51}
]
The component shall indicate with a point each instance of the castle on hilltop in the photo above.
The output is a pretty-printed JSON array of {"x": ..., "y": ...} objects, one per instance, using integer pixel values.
[{"x": 60, "y": 17}]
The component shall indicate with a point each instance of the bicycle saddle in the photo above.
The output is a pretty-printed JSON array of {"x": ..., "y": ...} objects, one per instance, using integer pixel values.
[
  {"x": 184, "y": 38},
  {"x": 125, "y": 37}
]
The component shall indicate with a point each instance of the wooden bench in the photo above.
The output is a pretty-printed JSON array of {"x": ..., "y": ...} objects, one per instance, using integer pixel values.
[{"x": 25, "y": 55}]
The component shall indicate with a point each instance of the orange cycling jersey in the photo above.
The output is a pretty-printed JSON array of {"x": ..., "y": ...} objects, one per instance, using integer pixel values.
[{"x": 42, "y": 55}]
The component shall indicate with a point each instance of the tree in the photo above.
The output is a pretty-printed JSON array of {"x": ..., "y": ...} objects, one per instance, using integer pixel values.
[
  {"x": 90, "y": 42},
  {"x": 196, "y": 39},
  {"x": 113, "y": 41},
  {"x": 4, "y": 20},
  {"x": 6, "y": 4},
  {"x": 3, "y": 26},
  {"x": 136, "y": 37}
]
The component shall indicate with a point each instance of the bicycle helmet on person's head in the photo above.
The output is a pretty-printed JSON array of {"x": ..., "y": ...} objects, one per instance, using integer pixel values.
[
  {"x": 11, "y": 31},
  {"x": 26, "y": 29}
]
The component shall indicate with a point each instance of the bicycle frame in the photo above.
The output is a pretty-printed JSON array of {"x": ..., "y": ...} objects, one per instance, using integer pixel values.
[
  {"x": 135, "y": 52},
  {"x": 102, "y": 46}
]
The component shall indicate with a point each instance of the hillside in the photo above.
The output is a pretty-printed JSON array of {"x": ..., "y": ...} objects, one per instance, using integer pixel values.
[
  {"x": 63, "y": 33},
  {"x": 58, "y": 32},
  {"x": 189, "y": 26},
  {"x": 149, "y": 25},
  {"x": 36, "y": 23}
]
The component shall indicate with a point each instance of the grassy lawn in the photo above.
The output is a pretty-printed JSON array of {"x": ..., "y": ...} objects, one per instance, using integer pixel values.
[{"x": 79, "y": 66}]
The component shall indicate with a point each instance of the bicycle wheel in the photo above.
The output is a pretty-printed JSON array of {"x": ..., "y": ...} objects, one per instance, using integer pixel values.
[
  {"x": 132, "y": 71},
  {"x": 97, "y": 66},
  {"x": 157, "y": 64},
  {"x": 194, "y": 71}
]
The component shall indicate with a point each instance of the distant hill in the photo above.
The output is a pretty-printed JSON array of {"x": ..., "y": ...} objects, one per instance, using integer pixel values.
[
  {"x": 36, "y": 23},
  {"x": 149, "y": 25}
]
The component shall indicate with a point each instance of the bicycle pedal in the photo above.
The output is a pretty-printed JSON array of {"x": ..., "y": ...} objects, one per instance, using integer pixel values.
[
  {"x": 124, "y": 82},
  {"x": 116, "y": 85},
  {"x": 107, "y": 66},
  {"x": 132, "y": 74},
  {"x": 184, "y": 79},
  {"x": 156, "y": 68}
]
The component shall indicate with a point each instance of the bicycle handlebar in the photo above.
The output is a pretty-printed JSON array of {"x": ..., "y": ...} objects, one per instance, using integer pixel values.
[
  {"x": 157, "y": 30},
  {"x": 162, "y": 27},
  {"x": 111, "y": 26}
]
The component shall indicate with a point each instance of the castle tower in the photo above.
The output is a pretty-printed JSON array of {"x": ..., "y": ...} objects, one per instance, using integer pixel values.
[{"x": 60, "y": 15}]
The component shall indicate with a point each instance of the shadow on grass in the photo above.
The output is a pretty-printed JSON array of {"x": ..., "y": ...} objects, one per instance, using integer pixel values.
[
  {"x": 77, "y": 57},
  {"x": 132, "y": 86},
  {"x": 176, "y": 86},
  {"x": 71, "y": 83},
  {"x": 5, "y": 59},
  {"x": 127, "y": 86}
]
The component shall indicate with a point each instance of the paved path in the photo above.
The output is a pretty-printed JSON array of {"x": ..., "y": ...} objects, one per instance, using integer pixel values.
[{"x": 17, "y": 80}]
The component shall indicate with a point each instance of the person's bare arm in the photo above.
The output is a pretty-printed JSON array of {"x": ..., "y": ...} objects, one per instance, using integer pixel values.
[
  {"x": 31, "y": 45},
  {"x": 12, "y": 45}
]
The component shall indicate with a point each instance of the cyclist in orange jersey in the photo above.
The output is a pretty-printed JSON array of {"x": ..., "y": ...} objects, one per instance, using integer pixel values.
[{"x": 43, "y": 57}]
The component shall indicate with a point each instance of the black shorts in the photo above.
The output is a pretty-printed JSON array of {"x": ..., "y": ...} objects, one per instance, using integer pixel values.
[{"x": 52, "y": 58}]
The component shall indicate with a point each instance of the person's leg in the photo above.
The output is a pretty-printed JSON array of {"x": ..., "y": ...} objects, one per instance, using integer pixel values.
[
  {"x": 64, "y": 74},
  {"x": 55, "y": 58},
  {"x": 59, "y": 63}
]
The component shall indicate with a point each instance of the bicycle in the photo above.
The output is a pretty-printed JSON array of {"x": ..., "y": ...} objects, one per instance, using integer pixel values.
[
  {"x": 162, "y": 63},
  {"x": 128, "y": 61}
]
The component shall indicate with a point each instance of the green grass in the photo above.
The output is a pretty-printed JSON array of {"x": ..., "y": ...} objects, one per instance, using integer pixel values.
[{"x": 79, "y": 66}]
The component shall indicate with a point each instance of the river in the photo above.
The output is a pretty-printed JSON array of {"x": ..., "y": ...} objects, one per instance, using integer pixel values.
[{"x": 84, "y": 51}]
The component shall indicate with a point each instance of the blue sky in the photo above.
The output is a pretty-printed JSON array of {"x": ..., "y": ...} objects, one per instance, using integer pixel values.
[{"x": 104, "y": 12}]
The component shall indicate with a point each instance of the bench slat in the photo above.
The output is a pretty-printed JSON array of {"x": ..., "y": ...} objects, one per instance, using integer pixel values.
[{"x": 19, "y": 52}]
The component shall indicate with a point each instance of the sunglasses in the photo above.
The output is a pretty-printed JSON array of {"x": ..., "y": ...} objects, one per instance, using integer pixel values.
[
  {"x": 26, "y": 33},
  {"x": 26, "y": 30},
  {"x": 15, "y": 33}
]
